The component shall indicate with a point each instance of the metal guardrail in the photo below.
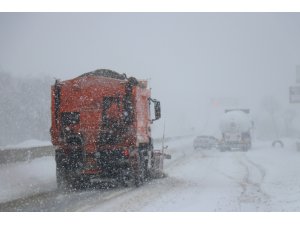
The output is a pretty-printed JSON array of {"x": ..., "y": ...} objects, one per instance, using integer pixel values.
[{"x": 25, "y": 154}]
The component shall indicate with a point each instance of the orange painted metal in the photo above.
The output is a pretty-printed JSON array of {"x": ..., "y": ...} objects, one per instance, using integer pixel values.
[{"x": 85, "y": 95}]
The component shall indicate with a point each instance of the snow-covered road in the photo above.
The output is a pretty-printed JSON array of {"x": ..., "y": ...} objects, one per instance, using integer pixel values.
[{"x": 262, "y": 179}]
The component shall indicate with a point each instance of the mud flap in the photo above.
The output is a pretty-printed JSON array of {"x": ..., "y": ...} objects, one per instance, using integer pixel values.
[{"x": 68, "y": 168}]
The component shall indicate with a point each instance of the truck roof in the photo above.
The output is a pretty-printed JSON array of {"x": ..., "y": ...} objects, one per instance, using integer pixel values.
[
  {"x": 105, "y": 73},
  {"x": 236, "y": 120}
]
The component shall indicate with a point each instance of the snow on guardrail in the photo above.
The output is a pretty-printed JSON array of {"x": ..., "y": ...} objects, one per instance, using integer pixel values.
[
  {"x": 32, "y": 149},
  {"x": 25, "y": 154}
]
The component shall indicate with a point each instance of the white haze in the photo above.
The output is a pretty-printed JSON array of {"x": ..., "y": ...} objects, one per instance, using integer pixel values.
[{"x": 198, "y": 64}]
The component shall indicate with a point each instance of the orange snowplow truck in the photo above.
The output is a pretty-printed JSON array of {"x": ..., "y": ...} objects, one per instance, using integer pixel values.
[{"x": 101, "y": 130}]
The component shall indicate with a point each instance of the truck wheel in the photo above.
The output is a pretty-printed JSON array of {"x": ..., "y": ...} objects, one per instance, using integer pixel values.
[
  {"x": 62, "y": 178},
  {"x": 80, "y": 182},
  {"x": 139, "y": 178},
  {"x": 73, "y": 179},
  {"x": 139, "y": 171},
  {"x": 147, "y": 171},
  {"x": 125, "y": 177}
]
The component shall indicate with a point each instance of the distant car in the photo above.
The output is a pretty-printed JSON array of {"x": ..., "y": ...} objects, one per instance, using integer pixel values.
[{"x": 205, "y": 142}]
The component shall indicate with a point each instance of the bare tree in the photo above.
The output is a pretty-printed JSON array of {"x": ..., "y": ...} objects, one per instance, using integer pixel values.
[
  {"x": 271, "y": 105},
  {"x": 289, "y": 116}
]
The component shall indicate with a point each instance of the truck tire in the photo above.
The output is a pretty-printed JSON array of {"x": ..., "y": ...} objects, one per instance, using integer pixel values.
[
  {"x": 124, "y": 178},
  {"x": 62, "y": 178},
  {"x": 75, "y": 163},
  {"x": 140, "y": 177},
  {"x": 66, "y": 177},
  {"x": 138, "y": 170},
  {"x": 79, "y": 182}
]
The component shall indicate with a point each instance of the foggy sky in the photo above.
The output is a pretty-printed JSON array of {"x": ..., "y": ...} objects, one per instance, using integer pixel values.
[{"x": 198, "y": 63}]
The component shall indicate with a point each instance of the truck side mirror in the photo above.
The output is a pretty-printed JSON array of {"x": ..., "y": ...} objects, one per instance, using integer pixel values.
[{"x": 157, "y": 110}]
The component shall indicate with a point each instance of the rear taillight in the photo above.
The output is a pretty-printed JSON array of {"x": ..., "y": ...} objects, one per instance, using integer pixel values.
[{"x": 125, "y": 152}]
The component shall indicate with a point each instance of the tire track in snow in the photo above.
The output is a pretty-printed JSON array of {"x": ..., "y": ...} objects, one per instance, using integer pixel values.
[
  {"x": 85, "y": 200},
  {"x": 62, "y": 201},
  {"x": 160, "y": 189},
  {"x": 253, "y": 197},
  {"x": 25, "y": 203},
  {"x": 96, "y": 198},
  {"x": 138, "y": 198}
]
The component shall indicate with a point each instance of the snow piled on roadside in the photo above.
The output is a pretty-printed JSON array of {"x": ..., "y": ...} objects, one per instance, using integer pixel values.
[
  {"x": 27, "y": 178},
  {"x": 27, "y": 144}
]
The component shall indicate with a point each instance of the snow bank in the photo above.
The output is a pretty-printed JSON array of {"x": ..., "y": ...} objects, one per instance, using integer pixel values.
[
  {"x": 27, "y": 178},
  {"x": 28, "y": 144}
]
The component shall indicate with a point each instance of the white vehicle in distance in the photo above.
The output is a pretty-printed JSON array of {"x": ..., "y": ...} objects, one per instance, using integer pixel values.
[{"x": 205, "y": 142}]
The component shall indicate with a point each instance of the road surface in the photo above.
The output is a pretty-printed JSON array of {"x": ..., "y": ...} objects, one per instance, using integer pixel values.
[{"x": 262, "y": 179}]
